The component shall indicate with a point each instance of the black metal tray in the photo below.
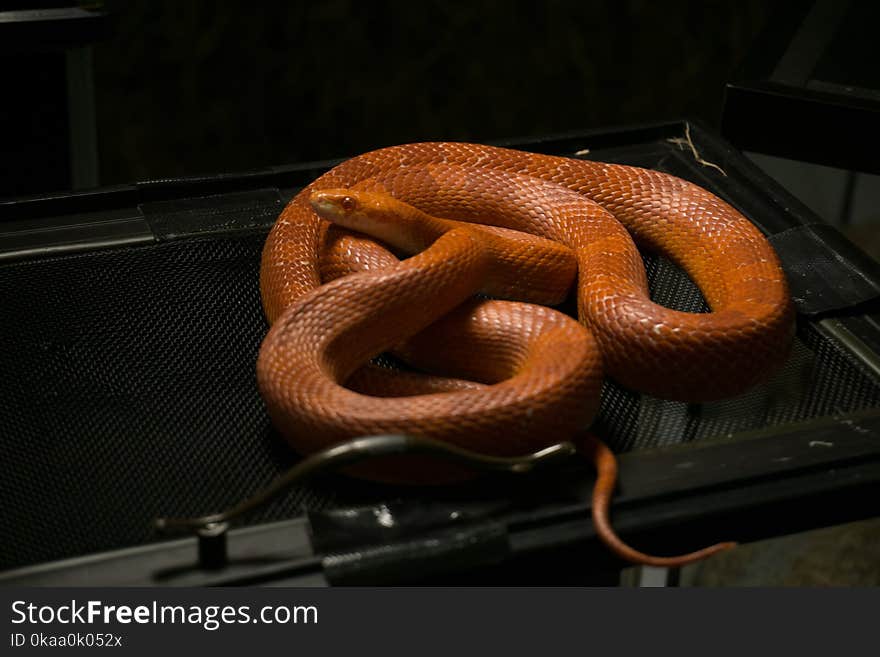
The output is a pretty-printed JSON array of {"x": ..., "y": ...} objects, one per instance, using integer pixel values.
[{"x": 131, "y": 322}]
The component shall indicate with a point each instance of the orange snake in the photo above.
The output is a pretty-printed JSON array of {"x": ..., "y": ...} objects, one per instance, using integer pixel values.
[{"x": 506, "y": 377}]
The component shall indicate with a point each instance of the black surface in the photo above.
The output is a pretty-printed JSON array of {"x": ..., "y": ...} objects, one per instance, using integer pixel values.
[
  {"x": 820, "y": 277},
  {"x": 129, "y": 373},
  {"x": 810, "y": 89}
]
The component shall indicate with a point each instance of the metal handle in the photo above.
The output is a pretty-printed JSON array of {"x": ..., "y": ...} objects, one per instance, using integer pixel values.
[{"x": 362, "y": 449}]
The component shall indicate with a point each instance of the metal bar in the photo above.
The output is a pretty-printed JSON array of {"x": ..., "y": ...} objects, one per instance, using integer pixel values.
[{"x": 81, "y": 118}]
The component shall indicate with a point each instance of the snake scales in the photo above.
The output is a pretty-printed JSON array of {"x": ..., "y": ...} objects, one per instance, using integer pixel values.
[{"x": 491, "y": 237}]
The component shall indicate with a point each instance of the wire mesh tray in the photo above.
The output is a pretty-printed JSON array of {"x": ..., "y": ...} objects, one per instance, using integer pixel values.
[{"x": 131, "y": 324}]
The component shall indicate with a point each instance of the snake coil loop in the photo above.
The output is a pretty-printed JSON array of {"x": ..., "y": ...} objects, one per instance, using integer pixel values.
[{"x": 504, "y": 376}]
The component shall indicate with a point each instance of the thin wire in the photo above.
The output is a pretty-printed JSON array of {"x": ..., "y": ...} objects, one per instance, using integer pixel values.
[{"x": 362, "y": 449}]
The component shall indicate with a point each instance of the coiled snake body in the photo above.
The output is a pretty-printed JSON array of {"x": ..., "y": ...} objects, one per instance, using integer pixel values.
[{"x": 504, "y": 377}]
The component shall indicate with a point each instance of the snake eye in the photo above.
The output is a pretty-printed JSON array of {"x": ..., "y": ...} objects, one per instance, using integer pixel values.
[{"x": 347, "y": 203}]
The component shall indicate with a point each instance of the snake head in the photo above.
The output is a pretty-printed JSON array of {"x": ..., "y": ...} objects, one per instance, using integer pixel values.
[
  {"x": 331, "y": 204},
  {"x": 353, "y": 209},
  {"x": 376, "y": 214}
]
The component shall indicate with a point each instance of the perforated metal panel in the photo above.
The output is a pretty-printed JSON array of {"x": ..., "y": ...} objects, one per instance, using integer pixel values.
[{"x": 129, "y": 392}]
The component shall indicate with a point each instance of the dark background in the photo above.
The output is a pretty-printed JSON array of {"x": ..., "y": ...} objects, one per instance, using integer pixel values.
[
  {"x": 196, "y": 86},
  {"x": 202, "y": 86}
]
